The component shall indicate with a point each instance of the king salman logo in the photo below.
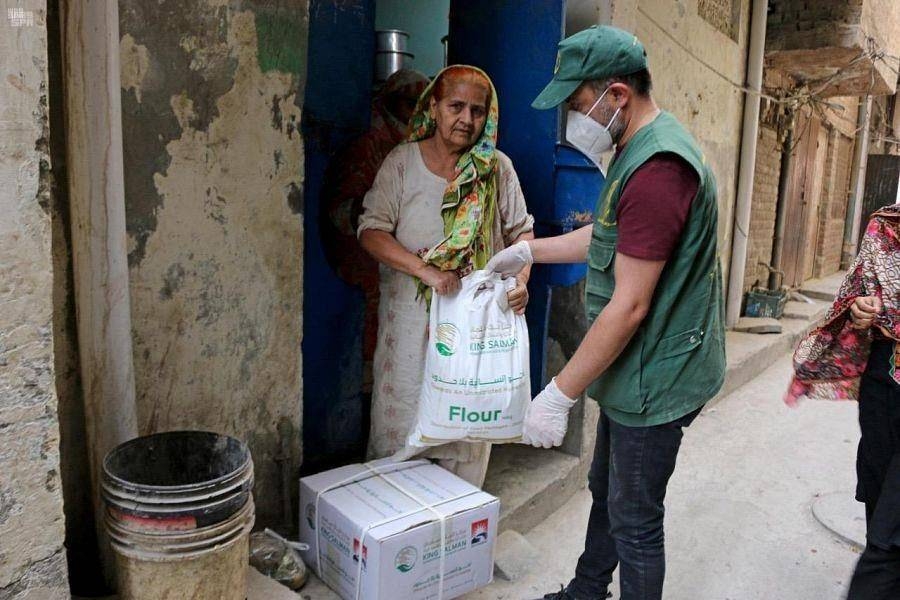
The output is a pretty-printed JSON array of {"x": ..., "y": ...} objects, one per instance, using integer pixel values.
[{"x": 447, "y": 339}]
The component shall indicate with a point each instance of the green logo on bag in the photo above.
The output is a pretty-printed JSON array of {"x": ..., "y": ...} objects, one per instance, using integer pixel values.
[
  {"x": 406, "y": 559},
  {"x": 447, "y": 336}
]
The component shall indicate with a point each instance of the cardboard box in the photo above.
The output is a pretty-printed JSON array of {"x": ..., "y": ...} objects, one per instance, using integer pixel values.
[{"x": 400, "y": 549}]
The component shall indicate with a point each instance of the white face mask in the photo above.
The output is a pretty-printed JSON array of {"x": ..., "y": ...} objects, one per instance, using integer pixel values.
[{"x": 589, "y": 136}]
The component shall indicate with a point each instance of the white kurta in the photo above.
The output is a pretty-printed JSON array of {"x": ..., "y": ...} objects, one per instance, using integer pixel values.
[{"x": 405, "y": 201}]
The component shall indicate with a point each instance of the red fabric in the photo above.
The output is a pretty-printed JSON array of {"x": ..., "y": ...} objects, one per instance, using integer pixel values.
[
  {"x": 829, "y": 361},
  {"x": 654, "y": 207}
]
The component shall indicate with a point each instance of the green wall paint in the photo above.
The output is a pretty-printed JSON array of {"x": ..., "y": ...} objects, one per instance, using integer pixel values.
[
  {"x": 426, "y": 22},
  {"x": 279, "y": 36}
]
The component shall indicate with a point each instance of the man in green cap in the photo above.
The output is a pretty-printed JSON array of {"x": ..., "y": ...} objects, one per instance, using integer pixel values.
[{"x": 655, "y": 351}]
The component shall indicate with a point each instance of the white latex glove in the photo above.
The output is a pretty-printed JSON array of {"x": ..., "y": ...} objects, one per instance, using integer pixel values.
[
  {"x": 510, "y": 261},
  {"x": 547, "y": 418}
]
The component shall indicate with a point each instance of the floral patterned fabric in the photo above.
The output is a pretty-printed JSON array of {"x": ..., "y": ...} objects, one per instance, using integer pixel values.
[
  {"x": 470, "y": 199},
  {"x": 829, "y": 361}
]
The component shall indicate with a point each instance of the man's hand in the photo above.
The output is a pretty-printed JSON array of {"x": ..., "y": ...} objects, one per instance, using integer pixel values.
[
  {"x": 518, "y": 297},
  {"x": 510, "y": 261},
  {"x": 547, "y": 418},
  {"x": 863, "y": 311}
]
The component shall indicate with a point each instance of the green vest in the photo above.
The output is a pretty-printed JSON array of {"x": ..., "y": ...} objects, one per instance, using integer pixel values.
[{"x": 676, "y": 360}]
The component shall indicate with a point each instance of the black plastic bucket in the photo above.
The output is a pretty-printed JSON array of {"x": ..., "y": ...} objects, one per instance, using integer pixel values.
[{"x": 177, "y": 481}]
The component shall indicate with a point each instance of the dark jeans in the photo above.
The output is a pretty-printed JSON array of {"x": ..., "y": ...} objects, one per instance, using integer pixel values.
[
  {"x": 877, "y": 574},
  {"x": 628, "y": 479}
]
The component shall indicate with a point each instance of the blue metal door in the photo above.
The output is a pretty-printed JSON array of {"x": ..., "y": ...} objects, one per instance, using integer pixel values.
[
  {"x": 336, "y": 109},
  {"x": 515, "y": 43}
]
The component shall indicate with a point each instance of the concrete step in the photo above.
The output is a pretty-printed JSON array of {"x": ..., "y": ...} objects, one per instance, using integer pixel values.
[
  {"x": 531, "y": 483},
  {"x": 760, "y": 325},
  {"x": 260, "y": 587},
  {"x": 824, "y": 288},
  {"x": 514, "y": 556},
  {"x": 805, "y": 311},
  {"x": 313, "y": 590}
]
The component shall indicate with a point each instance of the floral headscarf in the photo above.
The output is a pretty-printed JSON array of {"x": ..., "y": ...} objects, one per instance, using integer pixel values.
[
  {"x": 470, "y": 200},
  {"x": 829, "y": 361}
]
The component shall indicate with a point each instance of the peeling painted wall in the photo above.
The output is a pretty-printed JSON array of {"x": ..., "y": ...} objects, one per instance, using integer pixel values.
[
  {"x": 694, "y": 66},
  {"x": 211, "y": 99},
  {"x": 32, "y": 560}
]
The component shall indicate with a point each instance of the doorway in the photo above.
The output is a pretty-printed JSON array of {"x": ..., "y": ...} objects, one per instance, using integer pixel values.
[
  {"x": 515, "y": 43},
  {"x": 337, "y": 109},
  {"x": 881, "y": 187},
  {"x": 804, "y": 190}
]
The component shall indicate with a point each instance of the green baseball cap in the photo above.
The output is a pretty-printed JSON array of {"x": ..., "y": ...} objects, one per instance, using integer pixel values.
[{"x": 598, "y": 52}]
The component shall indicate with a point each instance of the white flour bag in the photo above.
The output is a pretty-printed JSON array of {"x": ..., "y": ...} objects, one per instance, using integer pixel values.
[{"x": 476, "y": 383}]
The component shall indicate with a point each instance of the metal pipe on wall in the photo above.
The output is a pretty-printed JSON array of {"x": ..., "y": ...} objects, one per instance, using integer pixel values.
[
  {"x": 750, "y": 131},
  {"x": 781, "y": 202},
  {"x": 857, "y": 183},
  {"x": 93, "y": 109}
]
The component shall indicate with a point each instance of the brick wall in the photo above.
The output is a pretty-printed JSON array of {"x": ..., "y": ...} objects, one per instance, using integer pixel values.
[
  {"x": 818, "y": 36},
  {"x": 835, "y": 18},
  {"x": 765, "y": 197}
]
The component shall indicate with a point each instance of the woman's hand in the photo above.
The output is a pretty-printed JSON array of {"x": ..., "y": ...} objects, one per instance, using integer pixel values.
[
  {"x": 863, "y": 311},
  {"x": 518, "y": 297},
  {"x": 443, "y": 282}
]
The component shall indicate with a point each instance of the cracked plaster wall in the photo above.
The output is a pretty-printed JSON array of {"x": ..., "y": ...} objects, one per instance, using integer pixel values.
[
  {"x": 32, "y": 561},
  {"x": 211, "y": 97}
]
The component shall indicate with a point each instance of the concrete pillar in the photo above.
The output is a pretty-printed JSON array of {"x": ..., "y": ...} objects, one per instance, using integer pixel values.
[
  {"x": 90, "y": 30},
  {"x": 32, "y": 557}
]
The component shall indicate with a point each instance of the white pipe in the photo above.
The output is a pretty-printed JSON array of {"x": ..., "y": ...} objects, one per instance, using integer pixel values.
[
  {"x": 857, "y": 183},
  {"x": 749, "y": 132},
  {"x": 97, "y": 200}
]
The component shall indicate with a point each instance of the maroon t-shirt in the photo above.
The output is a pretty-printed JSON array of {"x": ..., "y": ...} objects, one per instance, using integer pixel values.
[{"x": 654, "y": 207}]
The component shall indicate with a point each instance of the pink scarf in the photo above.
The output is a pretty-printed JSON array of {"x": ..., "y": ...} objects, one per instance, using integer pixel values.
[{"x": 829, "y": 361}]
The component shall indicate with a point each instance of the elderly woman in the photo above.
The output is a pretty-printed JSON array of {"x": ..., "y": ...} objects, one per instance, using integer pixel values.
[
  {"x": 442, "y": 204},
  {"x": 855, "y": 355}
]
